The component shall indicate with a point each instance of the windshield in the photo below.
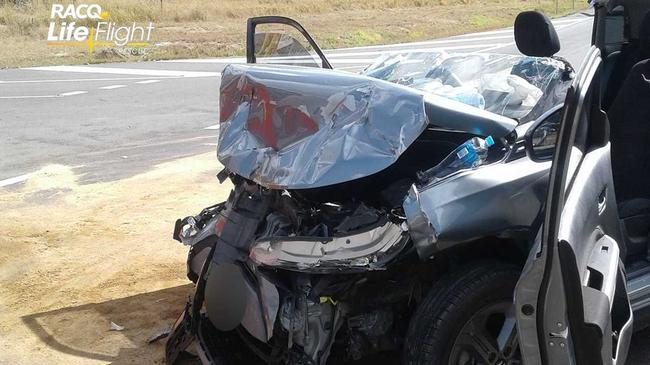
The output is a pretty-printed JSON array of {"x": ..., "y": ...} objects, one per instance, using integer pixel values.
[{"x": 517, "y": 87}]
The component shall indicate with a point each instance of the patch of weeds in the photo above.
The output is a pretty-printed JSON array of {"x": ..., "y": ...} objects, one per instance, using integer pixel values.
[
  {"x": 362, "y": 37},
  {"x": 482, "y": 21}
]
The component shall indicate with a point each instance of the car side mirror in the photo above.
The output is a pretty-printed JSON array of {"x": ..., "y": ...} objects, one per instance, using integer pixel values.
[{"x": 541, "y": 137}]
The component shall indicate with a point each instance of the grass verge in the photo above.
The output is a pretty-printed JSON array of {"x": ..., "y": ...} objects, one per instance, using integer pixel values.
[{"x": 204, "y": 28}]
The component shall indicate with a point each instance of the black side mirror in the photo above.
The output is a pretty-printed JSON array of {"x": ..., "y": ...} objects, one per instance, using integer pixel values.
[{"x": 541, "y": 137}]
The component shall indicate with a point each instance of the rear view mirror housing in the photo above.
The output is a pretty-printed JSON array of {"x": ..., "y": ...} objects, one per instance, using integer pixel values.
[{"x": 541, "y": 137}]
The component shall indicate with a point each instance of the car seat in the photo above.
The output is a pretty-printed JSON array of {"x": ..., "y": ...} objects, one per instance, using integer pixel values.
[
  {"x": 621, "y": 62},
  {"x": 536, "y": 37},
  {"x": 629, "y": 118}
]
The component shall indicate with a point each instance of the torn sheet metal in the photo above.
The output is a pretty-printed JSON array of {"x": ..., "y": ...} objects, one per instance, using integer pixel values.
[
  {"x": 476, "y": 203},
  {"x": 420, "y": 227},
  {"x": 299, "y": 127},
  {"x": 303, "y": 128}
]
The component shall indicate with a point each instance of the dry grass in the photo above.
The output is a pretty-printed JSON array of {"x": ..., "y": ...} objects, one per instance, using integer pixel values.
[{"x": 204, "y": 28}]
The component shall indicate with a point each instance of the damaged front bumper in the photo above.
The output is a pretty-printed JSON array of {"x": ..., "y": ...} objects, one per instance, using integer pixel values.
[
  {"x": 195, "y": 330},
  {"x": 205, "y": 342},
  {"x": 365, "y": 250},
  {"x": 261, "y": 290}
]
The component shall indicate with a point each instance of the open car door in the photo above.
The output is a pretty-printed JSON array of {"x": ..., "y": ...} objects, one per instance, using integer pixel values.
[
  {"x": 571, "y": 301},
  {"x": 282, "y": 40}
]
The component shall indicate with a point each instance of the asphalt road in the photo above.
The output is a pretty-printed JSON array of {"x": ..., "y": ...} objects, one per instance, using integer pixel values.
[{"x": 114, "y": 120}]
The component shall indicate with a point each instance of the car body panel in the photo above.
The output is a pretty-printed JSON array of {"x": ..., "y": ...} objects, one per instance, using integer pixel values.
[
  {"x": 571, "y": 299},
  {"x": 476, "y": 203}
]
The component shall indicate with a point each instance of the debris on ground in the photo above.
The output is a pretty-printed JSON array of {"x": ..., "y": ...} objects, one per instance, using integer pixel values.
[
  {"x": 159, "y": 335},
  {"x": 116, "y": 327}
]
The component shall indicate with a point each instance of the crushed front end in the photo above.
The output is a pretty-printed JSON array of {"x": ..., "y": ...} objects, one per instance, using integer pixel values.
[
  {"x": 316, "y": 255},
  {"x": 282, "y": 275}
]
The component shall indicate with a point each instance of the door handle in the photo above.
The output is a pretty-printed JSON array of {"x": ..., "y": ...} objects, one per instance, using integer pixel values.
[{"x": 602, "y": 200}]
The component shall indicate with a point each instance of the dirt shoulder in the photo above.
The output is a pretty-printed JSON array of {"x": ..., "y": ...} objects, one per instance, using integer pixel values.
[
  {"x": 75, "y": 257},
  {"x": 204, "y": 28}
]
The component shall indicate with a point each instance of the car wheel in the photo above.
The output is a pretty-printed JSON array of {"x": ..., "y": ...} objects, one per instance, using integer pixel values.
[{"x": 467, "y": 319}]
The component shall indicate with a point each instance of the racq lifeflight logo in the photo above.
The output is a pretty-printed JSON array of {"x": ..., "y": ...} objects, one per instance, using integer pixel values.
[{"x": 64, "y": 30}]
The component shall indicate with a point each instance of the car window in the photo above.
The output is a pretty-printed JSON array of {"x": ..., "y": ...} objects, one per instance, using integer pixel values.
[
  {"x": 515, "y": 86},
  {"x": 283, "y": 45},
  {"x": 585, "y": 123}
]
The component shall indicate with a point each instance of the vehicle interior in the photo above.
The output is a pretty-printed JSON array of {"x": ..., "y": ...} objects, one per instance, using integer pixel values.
[{"x": 624, "y": 39}]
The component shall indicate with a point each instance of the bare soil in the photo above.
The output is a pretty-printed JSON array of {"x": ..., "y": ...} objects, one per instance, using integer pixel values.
[{"x": 74, "y": 258}]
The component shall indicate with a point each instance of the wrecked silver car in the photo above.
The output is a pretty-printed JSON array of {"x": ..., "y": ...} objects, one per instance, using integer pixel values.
[{"x": 369, "y": 207}]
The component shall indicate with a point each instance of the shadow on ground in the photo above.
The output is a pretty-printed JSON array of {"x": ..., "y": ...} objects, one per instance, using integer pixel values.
[{"x": 84, "y": 331}]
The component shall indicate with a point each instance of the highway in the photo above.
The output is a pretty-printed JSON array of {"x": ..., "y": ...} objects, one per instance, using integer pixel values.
[{"x": 111, "y": 121}]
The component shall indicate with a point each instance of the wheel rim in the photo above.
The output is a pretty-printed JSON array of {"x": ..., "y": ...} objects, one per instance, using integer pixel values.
[{"x": 489, "y": 337}]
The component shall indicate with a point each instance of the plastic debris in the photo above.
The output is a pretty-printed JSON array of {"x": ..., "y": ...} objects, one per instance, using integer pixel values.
[
  {"x": 470, "y": 154},
  {"x": 116, "y": 327},
  {"x": 160, "y": 334}
]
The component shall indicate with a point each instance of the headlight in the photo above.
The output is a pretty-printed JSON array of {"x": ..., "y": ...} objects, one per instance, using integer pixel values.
[
  {"x": 193, "y": 229},
  {"x": 367, "y": 250}
]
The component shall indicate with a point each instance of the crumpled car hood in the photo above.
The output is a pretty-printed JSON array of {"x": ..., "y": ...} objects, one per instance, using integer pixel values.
[{"x": 296, "y": 128}]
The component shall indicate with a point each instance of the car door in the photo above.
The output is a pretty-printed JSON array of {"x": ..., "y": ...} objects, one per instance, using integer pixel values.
[
  {"x": 282, "y": 40},
  {"x": 571, "y": 300}
]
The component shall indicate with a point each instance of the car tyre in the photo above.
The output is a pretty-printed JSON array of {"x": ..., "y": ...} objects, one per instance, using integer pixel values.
[{"x": 466, "y": 318}]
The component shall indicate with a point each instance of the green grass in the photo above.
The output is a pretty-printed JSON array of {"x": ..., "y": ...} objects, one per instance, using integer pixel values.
[{"x": 483, "y": 21}]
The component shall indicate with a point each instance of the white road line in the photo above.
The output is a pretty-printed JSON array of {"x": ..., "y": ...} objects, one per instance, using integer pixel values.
[
  {"x": 492, "y": 48},
  {"x": 481, "y": 34},
  {"x": 79, "y": 80},
  {"x": 207, "y": 60},
  {"x": 147, "y": 82},
  {"x": 570, "y": 20},
  {"x": 124, "y": 71},
  {"x": 14, "y": 180},
  {"x": 567, "y": 25},
  {"x": 404, "y": 50},
  {"x": 558, "y": 25},
  {"x": 213, "y": 127},
  {"x": 29, "y": 96},
  {"x": 339, "y": 57},
  {"x": 71, "y": 93},
  {"x": 111, "y": 87}
]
